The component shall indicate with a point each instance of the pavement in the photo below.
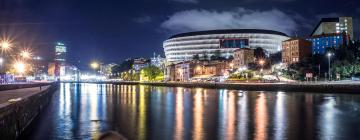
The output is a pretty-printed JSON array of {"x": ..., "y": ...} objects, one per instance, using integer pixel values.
[{"x": 9, "y": 96}]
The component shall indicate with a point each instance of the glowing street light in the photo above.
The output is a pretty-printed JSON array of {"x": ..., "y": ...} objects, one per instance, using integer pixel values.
[
  {"x": 5, "y": 45},
  {"x": 262, "y": 62},
  {"x": 19, "y": 67},
  {"x": 25, "y": 54},
  {"x": 94, "y": 65}
]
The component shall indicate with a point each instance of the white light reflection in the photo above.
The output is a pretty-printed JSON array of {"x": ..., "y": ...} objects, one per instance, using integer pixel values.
[
  {"x": 280, "y": 116},
  {"x": 242, "y": 116},
  {"x": 65, "y": 111},
  {"x": 327, "y": 120}
]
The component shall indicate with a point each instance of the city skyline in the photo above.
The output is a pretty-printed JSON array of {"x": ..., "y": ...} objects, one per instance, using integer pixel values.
[{"x": 110, "y": 32}]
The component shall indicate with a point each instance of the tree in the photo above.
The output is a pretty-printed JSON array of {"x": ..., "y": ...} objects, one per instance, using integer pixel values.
[
  {"x": 259, "y": 53},
  {"x": 151, "y": 73},
  {"x": 123, "y": 66},
  {"x": 196, "y": 57}
]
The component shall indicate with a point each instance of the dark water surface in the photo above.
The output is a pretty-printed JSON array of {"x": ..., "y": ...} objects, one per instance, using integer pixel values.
[{"x": 84, "y": 111}]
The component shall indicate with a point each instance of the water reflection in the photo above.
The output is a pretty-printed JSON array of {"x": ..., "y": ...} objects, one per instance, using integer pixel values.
[
  {"x": 84, "y": 111},
  {"x": 198, "y": 111},
  {"x": 261, "y": 118},
  {"x": 179, "y": 114}
]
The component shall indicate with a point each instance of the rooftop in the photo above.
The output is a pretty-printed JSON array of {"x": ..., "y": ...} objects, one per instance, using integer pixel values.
[{"x": 228, "y": 31}]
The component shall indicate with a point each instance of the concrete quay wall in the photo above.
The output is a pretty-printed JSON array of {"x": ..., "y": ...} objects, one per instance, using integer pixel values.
[
  {"x": 18, "y": 86},
  {"x": 16, "y": 116}
]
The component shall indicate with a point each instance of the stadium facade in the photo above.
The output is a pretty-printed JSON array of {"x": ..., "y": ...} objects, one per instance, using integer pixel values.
[{"x": 183, "y": 47}]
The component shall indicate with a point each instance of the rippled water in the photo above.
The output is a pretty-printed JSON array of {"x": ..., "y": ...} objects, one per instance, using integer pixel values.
[{"x": 84, "y": 111}]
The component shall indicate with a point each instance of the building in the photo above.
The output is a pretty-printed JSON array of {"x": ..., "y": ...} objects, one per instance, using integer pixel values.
[
  {"x": 140, "y": 63},
  {"x": 39, "y": 67},
  {"x": 60, "y": 52},
  {"x": 294, "y": 50},
  {"x": 321, "y": 42},
  {"x": 157, "y": 61},
  {"x": 198, "y": 70},
  {"x": 68, "y": 73},
  {"x": 184, "y": 71},
  {"x": 183, "y": 47},
  {"x": 242, "y": 57},
  {"x": 169, "y": 73},
  {"x": 107, "y": 69},
  {"x": 334, "y": 25}
]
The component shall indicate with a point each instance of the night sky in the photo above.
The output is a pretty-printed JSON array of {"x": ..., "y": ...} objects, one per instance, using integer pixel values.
[{"x": 113, "y": 30}]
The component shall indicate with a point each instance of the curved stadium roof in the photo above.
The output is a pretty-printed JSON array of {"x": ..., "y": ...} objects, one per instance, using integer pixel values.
[{"x": 228, "y": 31}]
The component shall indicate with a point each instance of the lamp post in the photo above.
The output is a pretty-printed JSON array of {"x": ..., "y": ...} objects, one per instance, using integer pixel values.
[
  {"x": 329, "y": 56},
  {"x": 1, "y": 64}
]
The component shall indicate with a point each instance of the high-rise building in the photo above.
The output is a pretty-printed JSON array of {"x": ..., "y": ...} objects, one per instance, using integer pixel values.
[
  {"x": 60, "y": 52},
  {"x": 334, "y": 25},
  {"x": 294, "y": 50}
]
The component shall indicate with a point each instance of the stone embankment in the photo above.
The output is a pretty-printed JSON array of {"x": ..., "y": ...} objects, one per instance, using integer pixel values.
[{"x": 19, "y": 106}]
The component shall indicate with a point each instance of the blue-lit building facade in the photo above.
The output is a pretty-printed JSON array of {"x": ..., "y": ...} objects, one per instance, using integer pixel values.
[{"x": 320, "y": 43}]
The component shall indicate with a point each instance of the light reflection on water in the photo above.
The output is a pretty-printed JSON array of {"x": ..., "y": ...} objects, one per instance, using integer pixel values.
[{"x": 84, "y": 111}]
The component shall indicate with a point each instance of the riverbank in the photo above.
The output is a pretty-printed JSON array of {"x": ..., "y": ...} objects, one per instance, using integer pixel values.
[
  {"x": 319, "y": 87},
  {"x": 18, "y": 107}
]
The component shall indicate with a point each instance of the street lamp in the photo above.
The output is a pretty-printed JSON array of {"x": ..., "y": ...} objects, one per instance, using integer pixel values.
[
  {"x": 262, "y": 62},
  {"x": 5, "y": 45},
  {"x": 25, "y": 54},
  {"x": 94, "y": 65},
  {"x": 329, "y": 56},
  {"x": 19, "y": 67}
]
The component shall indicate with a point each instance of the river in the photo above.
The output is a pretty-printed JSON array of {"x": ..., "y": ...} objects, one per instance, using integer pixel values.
[{"x": 84, "y": 111}]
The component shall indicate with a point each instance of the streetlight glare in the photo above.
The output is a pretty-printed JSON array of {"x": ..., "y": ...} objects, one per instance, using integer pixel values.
[
  {"x": 329, "y": 54},
  {"x": 5, "y": 45},
  {"x": 261, "y": 62},
  {"x": 19, "y": 67},
  {"x": 94, "y": 65},
  {"x": 25, "y": 54}
]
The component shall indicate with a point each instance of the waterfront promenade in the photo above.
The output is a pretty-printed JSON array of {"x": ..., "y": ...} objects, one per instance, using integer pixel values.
[
  {"x": 20, "y": 105},
  {"x": 11, "y": 96}
]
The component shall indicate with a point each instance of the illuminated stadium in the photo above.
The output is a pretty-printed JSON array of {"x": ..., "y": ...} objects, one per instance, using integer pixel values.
[{"x": 182, "y": 47}]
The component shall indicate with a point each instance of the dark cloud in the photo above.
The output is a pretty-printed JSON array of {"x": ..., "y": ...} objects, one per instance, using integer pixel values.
[{"x": 195, "y": 20}]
